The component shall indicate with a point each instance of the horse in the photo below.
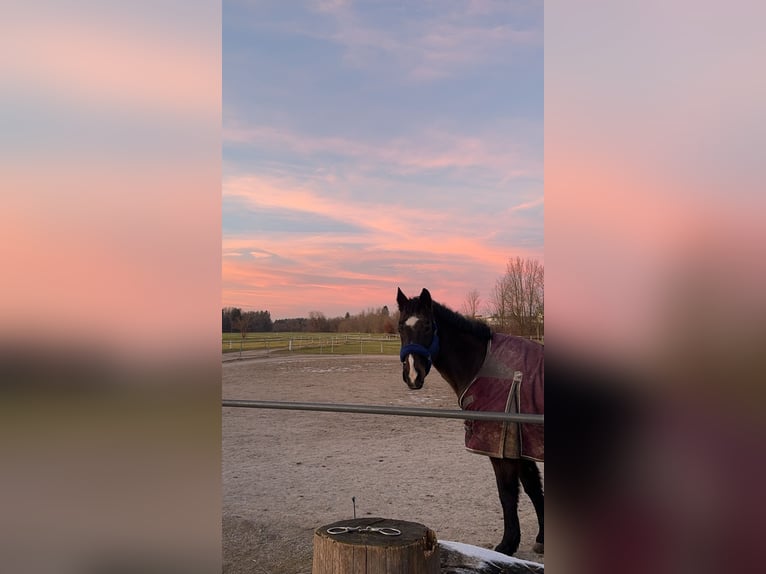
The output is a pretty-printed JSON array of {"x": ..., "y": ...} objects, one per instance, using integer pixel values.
[{"x": 460, "y": 350}]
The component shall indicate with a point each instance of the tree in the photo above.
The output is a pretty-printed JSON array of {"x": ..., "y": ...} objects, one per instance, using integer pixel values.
[
  {"x": 242, "y": 325},
  {"x": 499, "y": 307},
  {"x": 233, "y": 318},
  {"x": 471, "y": 303},
  {"x": 230, "y": 317},
  {"x": 518, "y": 298},
  {"x": 257, "y": 321},
  {"x": 318, "y": 323}
]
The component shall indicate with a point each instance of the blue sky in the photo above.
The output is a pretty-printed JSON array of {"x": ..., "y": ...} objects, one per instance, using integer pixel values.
[{"x": 370, "y": 145}]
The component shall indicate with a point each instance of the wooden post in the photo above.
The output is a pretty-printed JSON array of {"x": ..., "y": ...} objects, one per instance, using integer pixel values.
[{"x": 414, "y": 551}]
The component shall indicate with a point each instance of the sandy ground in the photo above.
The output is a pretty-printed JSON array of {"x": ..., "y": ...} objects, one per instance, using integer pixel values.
[{"x": 286, "y": 473}]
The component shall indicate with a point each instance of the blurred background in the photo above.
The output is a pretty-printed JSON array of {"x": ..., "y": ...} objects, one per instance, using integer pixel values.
[
  {"x": 109, "y": 315},
  {"x": 654, "y": 139}
]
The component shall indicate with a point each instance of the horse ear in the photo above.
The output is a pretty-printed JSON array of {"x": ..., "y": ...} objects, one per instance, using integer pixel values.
[
  {"x": 401, "y": 298},
  {"x": 425, "y": 298}
]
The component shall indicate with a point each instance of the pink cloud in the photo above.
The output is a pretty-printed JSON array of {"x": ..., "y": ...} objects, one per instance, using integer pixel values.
[
  {"x": 317, "y": 276},
  {"x": 384, "y": 227}
]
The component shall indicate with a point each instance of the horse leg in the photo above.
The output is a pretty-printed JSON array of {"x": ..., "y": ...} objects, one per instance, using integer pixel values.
[
  {"x": 529, "y": 475},
  {"x": 507, "y": 478}
]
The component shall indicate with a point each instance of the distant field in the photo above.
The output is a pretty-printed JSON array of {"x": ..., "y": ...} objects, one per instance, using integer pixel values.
[{"x": 313, "y": 343}]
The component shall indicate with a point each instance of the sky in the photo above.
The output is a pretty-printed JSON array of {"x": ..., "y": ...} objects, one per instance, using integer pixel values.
[{"x": 375, "y": 145}]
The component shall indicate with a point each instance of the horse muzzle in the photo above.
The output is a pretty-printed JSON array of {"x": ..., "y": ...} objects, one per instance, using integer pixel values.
[
  {"x": 413, "y": 376},
  {"x": 418, "y": 384}
]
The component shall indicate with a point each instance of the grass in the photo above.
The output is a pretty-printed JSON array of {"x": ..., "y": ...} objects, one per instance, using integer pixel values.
[{"x": 313, "y": 343}]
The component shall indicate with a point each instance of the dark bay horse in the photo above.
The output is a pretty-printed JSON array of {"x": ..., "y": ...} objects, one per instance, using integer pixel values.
[{"x": 459, "y": 348}]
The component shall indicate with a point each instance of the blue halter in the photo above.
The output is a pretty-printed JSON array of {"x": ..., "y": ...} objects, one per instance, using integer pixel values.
[{"x": 417, "y": 349}]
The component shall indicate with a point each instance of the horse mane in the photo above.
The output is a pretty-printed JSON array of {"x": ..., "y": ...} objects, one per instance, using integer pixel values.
[{"x": 445, "y": 315}]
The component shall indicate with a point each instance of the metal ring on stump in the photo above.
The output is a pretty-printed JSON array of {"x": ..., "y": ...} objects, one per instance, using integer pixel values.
[{"x": 375, "y": 545}]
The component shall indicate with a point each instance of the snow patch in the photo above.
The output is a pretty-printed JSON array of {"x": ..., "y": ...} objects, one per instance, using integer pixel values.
[{"x": 486, "y": 555}]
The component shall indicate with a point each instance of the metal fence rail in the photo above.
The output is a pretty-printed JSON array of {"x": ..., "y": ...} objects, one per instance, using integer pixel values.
[{"x": 386, "y": 410}]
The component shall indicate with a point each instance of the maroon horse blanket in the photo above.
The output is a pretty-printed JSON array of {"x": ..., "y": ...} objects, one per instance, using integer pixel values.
[{"x": 511, "y": 380}]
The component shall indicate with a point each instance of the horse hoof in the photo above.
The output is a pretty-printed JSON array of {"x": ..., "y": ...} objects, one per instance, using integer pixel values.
[
  {"x": 538, "y": 548},
  {"x": 505, "y": 549}
]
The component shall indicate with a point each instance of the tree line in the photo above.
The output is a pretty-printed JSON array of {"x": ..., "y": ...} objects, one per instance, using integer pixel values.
[
  {"x": 516, "y": 305},
  {"x": 372, "y": 320},
  {"x": 237, "y": 321}
]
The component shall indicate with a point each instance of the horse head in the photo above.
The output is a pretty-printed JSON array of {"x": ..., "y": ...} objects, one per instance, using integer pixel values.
[{"x": 420, "y": 340}]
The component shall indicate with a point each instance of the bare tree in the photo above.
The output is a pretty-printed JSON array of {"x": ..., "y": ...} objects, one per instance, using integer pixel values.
[
  {"x": 471, "y": 303},
  {"x": 518, "y": 298},
  {"x": 499, "y": 307},
  {"x": 318, "y": 323},
  {"x": 241, "y": 323}
]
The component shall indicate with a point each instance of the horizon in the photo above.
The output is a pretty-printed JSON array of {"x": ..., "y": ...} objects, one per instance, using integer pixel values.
[
  {"x": 392, "y": 309},
  {"x": 370, "y": 147}
]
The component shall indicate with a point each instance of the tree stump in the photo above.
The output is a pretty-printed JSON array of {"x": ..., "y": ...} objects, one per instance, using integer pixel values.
[{"x": 414, "y": 551}]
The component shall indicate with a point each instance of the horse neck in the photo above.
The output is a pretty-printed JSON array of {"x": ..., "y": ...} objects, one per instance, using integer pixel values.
[{"x": 460, "y": 357}]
